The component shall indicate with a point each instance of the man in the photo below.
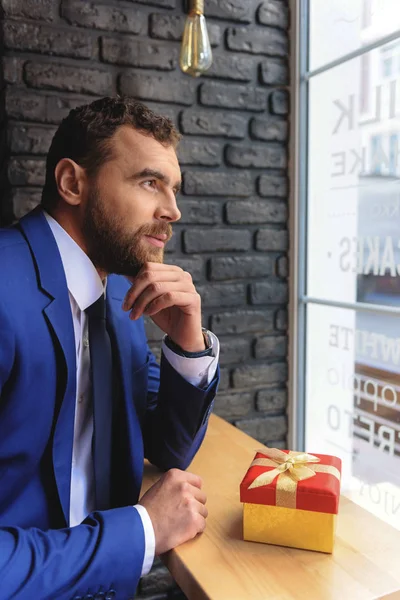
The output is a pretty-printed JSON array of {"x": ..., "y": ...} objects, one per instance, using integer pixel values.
[{"x": 82, "y": 400}]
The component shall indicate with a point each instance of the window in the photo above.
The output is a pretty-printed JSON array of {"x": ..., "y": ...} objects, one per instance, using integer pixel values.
[
  {"x": 394, "y": 152},
  {"x": 349, "y": 269},
  {"x": 366, "y": 14},
  {"x": 376, "y": 153},
  {"x": 365, "y": 83}
]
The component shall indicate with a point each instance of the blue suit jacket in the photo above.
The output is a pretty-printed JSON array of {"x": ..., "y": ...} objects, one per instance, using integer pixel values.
[{"x": 157, "y": 415}]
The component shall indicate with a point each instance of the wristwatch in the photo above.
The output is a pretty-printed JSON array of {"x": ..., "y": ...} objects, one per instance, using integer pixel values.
[
  {"x": 178, "y": 350},
  {"x": 207, "y": 338}
]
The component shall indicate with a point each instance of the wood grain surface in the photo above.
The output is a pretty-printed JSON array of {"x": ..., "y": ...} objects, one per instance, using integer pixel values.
[{"x": 219, "y": 565}]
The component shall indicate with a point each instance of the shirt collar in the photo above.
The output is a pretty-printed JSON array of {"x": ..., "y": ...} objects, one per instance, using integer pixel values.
[{"x": 83, "y": 281}]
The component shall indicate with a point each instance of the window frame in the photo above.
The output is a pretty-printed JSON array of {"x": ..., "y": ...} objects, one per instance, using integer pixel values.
[{"x": 298, "y": 150}]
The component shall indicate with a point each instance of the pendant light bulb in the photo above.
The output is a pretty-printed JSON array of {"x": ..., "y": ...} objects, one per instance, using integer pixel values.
[{"x": 196, "y": 55}]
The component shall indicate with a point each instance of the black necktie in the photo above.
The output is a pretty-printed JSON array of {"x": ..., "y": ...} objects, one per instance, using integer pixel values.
[{"x": 101, "y": 376}]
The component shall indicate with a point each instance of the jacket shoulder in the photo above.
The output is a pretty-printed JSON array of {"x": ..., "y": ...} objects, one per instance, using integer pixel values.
[{"x": 10, "y": 236}]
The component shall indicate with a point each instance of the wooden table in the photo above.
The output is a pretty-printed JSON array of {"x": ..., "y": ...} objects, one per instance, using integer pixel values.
[{"x": 219, "y": 565}]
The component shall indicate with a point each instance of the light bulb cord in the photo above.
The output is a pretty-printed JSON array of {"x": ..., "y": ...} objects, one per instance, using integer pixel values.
[{"x": 197, "y": 7}]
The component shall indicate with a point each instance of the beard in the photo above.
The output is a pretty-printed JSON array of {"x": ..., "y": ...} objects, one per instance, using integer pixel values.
[{"x": 112, "y": 246}]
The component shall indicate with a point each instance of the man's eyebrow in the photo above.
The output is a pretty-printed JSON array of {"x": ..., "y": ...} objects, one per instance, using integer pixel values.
[{"x": 153, "y": 173}]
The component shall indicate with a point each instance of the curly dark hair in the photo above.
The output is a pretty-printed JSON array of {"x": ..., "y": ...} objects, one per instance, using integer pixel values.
[{"x": 84, "y": 136}]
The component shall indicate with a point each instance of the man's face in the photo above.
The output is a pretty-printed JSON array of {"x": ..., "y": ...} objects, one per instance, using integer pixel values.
[{"x": 131, "y": 204}]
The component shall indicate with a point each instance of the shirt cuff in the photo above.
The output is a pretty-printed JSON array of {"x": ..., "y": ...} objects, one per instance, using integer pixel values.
[
  {"x": 198, "y": 371},
  {"x": 149, "y": 539}
]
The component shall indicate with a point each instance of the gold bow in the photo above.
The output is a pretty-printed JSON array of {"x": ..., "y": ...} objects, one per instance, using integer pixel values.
[{"x": 290, "y": 468}]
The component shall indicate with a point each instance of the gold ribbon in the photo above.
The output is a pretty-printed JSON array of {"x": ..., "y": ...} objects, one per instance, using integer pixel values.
[{"x": 290, "y": 468}]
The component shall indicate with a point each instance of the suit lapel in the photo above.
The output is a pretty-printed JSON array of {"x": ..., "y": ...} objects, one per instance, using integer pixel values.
[{"x": 59, "y": 318}]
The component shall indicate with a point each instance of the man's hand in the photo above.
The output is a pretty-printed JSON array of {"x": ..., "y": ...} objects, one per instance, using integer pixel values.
[
  {"x": 166, "y": 293},
  {"x": 176, "y": 506}
]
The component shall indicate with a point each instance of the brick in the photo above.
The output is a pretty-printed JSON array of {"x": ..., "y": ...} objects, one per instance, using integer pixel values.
[
  {"x": 126, "y": 51},
  {"x": 98, "y": 16},
  {"x": 279, "y": 102},
  {"x": 273, "y": 185},
  {"x": 200, "y": 212},
  {"x": 237, "y": 267},
  {"x": 271, "y": 42},
  {"x": 282, "y": 267},
  {"x": 25, "y": 106},
  {"x": 43, "y": 10},
  {"x": 198, "y": 122},
  {"x": 153, "y": 332},
  {"x": 150, "y": 87},
  {"x": 269, "y": 292},
  {"x": 161, "y": 3},
  {"x": 233, "y": 405},
  {"x": 264, "y": 430},
  {"x": 170, "y": 27},
  {"x": 239, "y": 96},
  {"x": 224, "y": 381},
  {"x": 253, "y": 375},
  {"x": 242, "y": 321},
  {"x": 281, "y": 319},
  {"x": 272, "y": 239},
  {"x": 28, "y": 106},
  {"x": 174, "y": 243},
  {"x": 266, "y": 156},
  {"x": 13, "y": 69},
  {"x": 274, "y": 13},
  {"x": 196, "y": 183},
  {"x": 271, "y": 400},
  {"x": 58, "y": 107},
  {"x": 24, "y": 200},
  {"x": 48, "y": 40},
  {"x": 23, "y": 171},
  {"x": 274, "y": 72},
  {"x": 237, "y": 68},
  {"x": 269, "y": 130},
  {"x": 194, "y": 152},
  {"x": 72, "y": 79},
  {"x": 232, "y": 10},
  {"x": 30, "y": 139},
  {"x": 216, "y": 240},
  {"x": 271, "y": 346},
  {"x": 255, "y": 211},
  {"x": 220, "y": 295},
  {"x": 194, "y": 265},
  {"x": 165, "y": 110},
  {"x": 158, "y": 580},
  {"x": 234, "y": 350}
]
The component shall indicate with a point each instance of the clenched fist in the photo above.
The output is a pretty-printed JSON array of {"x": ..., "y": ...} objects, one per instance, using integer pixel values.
[{"x": 176, "y": 506}]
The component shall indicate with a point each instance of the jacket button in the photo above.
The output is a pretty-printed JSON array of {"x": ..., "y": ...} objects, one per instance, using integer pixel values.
[{"x": 110, "y": 595}]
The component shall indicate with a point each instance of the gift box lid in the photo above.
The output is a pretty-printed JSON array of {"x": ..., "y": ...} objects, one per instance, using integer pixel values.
[{"x": 319, "y": 493}]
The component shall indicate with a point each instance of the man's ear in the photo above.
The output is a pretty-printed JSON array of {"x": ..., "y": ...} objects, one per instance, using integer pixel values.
[{"x": 71, "y": 181}]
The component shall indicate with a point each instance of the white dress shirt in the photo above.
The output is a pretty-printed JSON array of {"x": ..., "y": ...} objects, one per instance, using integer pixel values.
[{"x": 84, "y": 288}]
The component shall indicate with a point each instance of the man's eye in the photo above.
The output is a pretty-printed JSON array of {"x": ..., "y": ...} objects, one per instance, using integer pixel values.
[{"x": 149, "y": 183}]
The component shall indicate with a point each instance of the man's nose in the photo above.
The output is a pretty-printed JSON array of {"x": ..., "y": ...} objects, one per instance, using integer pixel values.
[{"x": 168, "y": 210}]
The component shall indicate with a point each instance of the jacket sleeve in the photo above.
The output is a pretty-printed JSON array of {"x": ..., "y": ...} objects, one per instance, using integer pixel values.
[
  {"x": 103, "y": 554},
  {"x": 176, "y": 417}
]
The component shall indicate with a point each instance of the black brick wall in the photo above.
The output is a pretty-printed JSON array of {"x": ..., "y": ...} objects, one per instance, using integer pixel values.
[{"x": 233, "y": 235}]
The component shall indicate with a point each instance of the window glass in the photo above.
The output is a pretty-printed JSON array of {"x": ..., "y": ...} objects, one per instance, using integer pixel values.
[
  {"x": 352, "y": 395},
  {"x": 353, "y": 402},
  {"x": 338, "y": 27},
  {"x": 353, "y": 184}
]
